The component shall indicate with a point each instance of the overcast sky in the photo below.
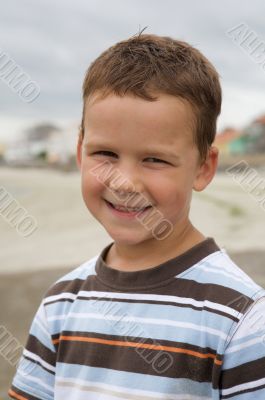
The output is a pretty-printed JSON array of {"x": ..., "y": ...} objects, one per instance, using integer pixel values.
[{"x": 54, "y": 41}]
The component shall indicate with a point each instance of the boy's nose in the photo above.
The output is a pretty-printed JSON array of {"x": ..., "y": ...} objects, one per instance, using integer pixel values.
[
  {"x": 125, "y": 182},
  {"x": 121, "y": 189},
  {"x": 121, "y": 186}
]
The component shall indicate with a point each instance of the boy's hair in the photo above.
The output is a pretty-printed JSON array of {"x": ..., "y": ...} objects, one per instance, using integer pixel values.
[{"x": 145, "y": 65}]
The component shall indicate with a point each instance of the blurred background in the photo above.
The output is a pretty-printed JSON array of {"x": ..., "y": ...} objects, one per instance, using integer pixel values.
[{"x": 45, "y": 49}]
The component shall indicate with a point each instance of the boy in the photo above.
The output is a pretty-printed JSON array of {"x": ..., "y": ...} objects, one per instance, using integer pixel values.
[{"x": 162, "y": 312}]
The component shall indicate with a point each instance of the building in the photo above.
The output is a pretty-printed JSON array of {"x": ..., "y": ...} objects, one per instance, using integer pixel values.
[
  {"x": 57, "y": 148},
  {"x": 251, "y": 140},
  {"x": 224, "y": 139}
]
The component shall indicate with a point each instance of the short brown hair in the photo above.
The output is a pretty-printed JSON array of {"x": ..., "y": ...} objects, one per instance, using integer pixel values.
[{"x": 147, "y": 64}]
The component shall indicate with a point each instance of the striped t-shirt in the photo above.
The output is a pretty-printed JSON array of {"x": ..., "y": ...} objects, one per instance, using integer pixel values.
[{"x": 191, "y": 328}]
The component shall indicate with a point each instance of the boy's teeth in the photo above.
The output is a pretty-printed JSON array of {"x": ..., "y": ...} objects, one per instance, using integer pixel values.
[{"x": 127, "y": 209}]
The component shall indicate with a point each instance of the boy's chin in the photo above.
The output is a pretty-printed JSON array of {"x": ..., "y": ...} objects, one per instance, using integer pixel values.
[{"x": 130, "y": 238}]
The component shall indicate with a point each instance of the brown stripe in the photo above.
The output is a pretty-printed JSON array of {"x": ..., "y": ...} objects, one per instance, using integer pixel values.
[
  {"x": 14, "y": 395},
  {"x": 138, "y": 345},
  {"x": 248, "y": 372},
  {"x": 153, "y": 276},
  {"x": 188, "y": 289},
  {"x": 36, "y": 347},
  {"x": 139, "y": 279},
  {"x": 72, "y": 286},
  {"x": 125, "y": 339},
  {"x": 141, "y": 356},
  {"x": 177, "y": 287},
  {"x": 18, "y": 394}
]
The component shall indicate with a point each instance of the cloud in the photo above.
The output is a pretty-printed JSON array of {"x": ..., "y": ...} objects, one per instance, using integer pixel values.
[{"x": 55, "y": 41}]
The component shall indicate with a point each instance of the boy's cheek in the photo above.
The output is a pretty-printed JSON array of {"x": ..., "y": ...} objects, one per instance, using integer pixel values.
[{"x": 91, "y": 187}]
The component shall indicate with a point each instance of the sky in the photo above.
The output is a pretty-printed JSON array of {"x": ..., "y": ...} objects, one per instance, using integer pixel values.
[{"x": 53, "y": 43}]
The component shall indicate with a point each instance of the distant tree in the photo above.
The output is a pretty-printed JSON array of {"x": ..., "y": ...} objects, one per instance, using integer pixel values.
[
  {"x": 260, "y": 144},
  {"x": 40, "y": 131},
  {"x": 42, "y": 155},
  {"x": 256, "y": 134}
]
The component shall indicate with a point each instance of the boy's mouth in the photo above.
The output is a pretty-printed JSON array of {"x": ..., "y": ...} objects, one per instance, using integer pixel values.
[{"x": 126, "y": 210}]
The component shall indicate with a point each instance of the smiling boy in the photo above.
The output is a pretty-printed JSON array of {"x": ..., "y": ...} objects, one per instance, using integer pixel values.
[
  {"x": 162, "y": 312},
  {"x": 131, "y": 133}
]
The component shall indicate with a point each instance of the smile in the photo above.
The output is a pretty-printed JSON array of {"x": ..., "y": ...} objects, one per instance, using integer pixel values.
[{"x": 126, "y": 211}]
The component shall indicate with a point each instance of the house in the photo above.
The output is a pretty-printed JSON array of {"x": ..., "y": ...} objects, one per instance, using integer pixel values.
[
  {"x": 56, "y": 147},
  {"x": 224, "y": 139},
  {"x": 256, "y": 135},
  {"x": 251, "y": 140}
]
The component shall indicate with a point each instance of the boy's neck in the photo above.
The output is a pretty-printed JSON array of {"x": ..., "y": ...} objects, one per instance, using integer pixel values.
[{"x": 152, "y": 253}]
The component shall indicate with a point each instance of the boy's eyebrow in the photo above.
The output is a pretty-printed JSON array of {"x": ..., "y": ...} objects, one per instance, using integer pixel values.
[{"x": 149, "y": 151}]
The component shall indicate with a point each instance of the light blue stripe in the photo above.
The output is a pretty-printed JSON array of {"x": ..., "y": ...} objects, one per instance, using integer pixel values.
[
  {"x": 228, "y": 282},
  {"x": 141, "y": 310},
  {"x": 81, "y": 272},
  {"x": 36, "y": 331},
  {"x": 130, "y": 380},
  {"x": 251, "y": 353},
  {"x": 37, "y": 371},
  {"x": 250, "y": 336},
  {"x": 61, "y": 308},
  {"x": 149, "y": 331},
  {"x": 32, "y": 388},
  {"x": 199, "y": 275}
]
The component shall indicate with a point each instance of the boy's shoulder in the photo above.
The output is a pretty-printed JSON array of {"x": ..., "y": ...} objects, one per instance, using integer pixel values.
[
  {"x": 72, "y": 281},
  {"x": 219, "y": 272}
]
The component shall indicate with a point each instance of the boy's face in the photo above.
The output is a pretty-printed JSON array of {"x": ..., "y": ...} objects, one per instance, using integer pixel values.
[{"x": 149, "y": 146}]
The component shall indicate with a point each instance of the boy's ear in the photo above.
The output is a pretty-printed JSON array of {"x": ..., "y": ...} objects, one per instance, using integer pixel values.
[
  {"x": 79, "y": 151},
  {"x": 207, "y": 170}
]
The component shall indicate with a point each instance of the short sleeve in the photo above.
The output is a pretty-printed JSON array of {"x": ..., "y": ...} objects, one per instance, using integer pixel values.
[
  {"x": 35, "y": 375},
  {"x": 243, "y": 370}
]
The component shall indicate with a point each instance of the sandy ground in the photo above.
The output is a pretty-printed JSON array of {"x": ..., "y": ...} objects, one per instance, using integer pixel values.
[{"x": 67, "y": 235}]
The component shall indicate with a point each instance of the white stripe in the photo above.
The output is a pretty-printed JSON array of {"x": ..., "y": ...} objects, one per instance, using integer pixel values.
[
  {"x": 74, "y": 393},
  {"x": 125, "y": 392},
  {"x": 244, "y": 345},
  {"x": 37, "y": 358},
  {"x": 161, "y": 298},
  {"x": 244, "y": 386},
  {"x": 229, "y": 275},
  {"x": 253, "y": 322},
  {"x": 163, "y": 322},
  {"x": 227, "y": 264},
  {"x": 63, "y": 295},
  {"x": 42, "y": 328},
  {"x": 38, "y": 381}
]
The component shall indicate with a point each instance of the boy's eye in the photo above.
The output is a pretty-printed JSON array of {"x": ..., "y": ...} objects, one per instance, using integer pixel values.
[
  {"x": 110, "y": 153},
  {"x": 156, "y": 159},
  {"x": 103, "y": 152}
]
